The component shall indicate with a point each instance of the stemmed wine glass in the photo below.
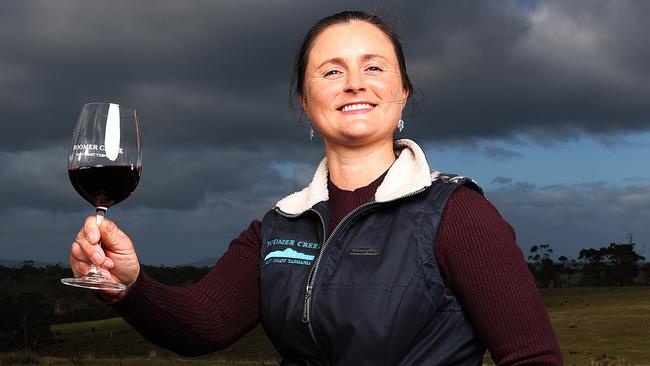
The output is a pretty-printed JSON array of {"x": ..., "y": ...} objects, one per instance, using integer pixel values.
[{"x": 104, "y": 167}]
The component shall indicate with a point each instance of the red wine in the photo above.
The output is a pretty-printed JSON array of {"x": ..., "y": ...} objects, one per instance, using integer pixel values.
[{"x": 105, "y": 185}]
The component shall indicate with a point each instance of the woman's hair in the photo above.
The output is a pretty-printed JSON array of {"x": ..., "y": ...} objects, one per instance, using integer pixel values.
[{"x": 302, "y": 55}]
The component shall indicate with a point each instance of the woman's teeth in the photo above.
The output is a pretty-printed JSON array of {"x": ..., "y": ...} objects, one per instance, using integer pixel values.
[{"x": 354, "y": 107}]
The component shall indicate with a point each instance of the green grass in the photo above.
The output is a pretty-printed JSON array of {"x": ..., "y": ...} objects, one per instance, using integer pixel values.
[
  {"x": 594, "y": 322},
  {"x": 600, "y": 323},
  {"x": 79, "y": 328},
  {"x": 115, "y": 339},
  {"x": 590, "y": 323}
]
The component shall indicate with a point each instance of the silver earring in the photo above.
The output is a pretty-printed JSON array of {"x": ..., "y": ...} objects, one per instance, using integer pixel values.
[
  {"x": 400, "y": 125},
  {"x": 311, "y": 128}
]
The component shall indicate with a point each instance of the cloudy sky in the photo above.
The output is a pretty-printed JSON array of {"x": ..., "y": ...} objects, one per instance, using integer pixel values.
[{"x": 545, "y": 103}]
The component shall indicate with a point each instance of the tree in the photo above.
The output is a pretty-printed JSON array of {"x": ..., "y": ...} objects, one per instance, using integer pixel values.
[
  {"x": 645, "y": 269},
  {"x": 569, "y": 266},
  {"x": 622, "y": 259},
  {"x": 546, "y": 271},
  {"x": 594, "y": 270},
  {"x": 614, "y": 265}
]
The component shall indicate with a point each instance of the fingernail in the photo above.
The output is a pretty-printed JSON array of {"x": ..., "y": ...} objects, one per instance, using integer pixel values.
[
  {"x": 91, "y": 236},
  {"x": 97, "y": 258}
]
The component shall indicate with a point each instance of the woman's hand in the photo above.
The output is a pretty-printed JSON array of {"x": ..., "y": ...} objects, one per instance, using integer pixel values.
[{"x": 115, "y": 258}]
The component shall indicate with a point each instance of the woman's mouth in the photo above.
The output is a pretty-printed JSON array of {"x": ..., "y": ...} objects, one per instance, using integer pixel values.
[{"x": 354, "y": 107}]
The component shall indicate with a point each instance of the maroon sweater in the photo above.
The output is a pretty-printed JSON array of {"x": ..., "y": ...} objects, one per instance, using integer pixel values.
[{"x": 475, "y": 249}]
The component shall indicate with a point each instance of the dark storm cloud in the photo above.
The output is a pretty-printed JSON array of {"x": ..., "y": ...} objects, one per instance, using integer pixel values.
[
  {"x": 176, "y": 180},
  {"x": 572, "y": 217},
  {"x": 200, "y": 74},
  {"x": 188, "y": 205},
  {"x": 206, "y": 73},
  {"x": 210, "y": 81},
  {"x": 557, "y": 69},
  {"x": 500, "y": 154},
  {"x": 182, "y": 180},
  {"x": 35, "y": 178}
]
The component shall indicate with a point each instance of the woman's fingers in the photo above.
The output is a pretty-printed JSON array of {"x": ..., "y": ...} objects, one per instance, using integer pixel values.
[
  {"x": 88, "y": 239},
  {"x": 113, "y": 238},
  {"x": 76, "y": 253},
  {"x": 79, "y": 268},
  {"x": 108, "y": 248},
  {"x": 91, "y": 230},
  {"x": 108, "y": 263}
]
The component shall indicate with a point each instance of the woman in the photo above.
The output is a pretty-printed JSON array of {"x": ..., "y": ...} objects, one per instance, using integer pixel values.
[{"x": 377, "y": 261}]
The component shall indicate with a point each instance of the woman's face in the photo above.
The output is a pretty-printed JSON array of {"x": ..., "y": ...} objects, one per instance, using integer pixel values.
[{"x": 353, "y": 87}]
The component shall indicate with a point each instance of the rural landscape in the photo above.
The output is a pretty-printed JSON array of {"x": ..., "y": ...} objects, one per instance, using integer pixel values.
[
  {"x": 597, "y": 302},
  {"x": 219, "y": 109}
]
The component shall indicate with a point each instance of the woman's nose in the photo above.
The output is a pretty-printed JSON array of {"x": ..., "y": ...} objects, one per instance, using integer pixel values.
[{"x": 354, "y": 82}]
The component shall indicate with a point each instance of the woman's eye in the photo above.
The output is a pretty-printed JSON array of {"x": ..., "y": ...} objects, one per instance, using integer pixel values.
[{"x": 331, "y": 73}]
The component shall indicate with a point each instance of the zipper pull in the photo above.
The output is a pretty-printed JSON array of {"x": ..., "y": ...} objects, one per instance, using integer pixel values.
[{"x": 305, "y": 309}]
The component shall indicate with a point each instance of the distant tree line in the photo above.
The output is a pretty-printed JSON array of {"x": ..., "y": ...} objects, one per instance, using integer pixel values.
[
  {"x": 33, "y": 298},
  {"x": 612, "y": 265}
]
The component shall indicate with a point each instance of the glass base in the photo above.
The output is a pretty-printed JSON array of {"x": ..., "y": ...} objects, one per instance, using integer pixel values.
[{"x": 93, "y": 282}]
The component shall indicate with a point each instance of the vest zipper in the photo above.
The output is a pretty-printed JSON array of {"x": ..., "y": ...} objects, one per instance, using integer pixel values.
[
  {"x": 308, "y": 293},
  {"x": 311, "y": 277}
]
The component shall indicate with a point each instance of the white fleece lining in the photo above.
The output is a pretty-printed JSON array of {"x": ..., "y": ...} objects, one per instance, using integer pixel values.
[{"x": 409, "y": 173}]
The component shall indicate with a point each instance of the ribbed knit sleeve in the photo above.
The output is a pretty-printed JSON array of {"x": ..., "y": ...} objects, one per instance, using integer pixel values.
[
  {"x": 484, "y": 267},
  {"x": 206, "y": 316}
]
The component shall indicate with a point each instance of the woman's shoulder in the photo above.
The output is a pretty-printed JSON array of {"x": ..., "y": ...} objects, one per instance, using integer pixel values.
[{"x": 469, "y": 214}]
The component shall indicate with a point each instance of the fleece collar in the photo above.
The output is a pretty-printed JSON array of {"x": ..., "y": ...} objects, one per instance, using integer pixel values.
[{"x": 409, "y": 173}]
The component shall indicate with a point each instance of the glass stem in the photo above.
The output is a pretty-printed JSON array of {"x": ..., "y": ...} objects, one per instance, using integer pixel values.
[{"x": 99, "y": 216}]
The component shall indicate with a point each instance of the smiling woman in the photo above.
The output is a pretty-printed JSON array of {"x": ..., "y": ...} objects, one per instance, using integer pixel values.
[
  {"x": 400, "y": 264},
  {"x": 354, "y": 97}
]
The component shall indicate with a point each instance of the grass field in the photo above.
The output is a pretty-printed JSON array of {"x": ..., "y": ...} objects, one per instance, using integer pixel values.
[
  {"x": 115, "y": 339},
  {"x": 597, "y": 322},
  {"x": 590, "y": 323}
]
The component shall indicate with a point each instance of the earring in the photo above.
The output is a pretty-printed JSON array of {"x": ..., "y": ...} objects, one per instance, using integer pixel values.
[
  {"x": 400, "y": 124},
  {"x": 311, "y": 128}
]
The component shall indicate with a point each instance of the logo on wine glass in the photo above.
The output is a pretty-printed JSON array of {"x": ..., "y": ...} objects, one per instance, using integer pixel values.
[{"x": 93, "y": 151}]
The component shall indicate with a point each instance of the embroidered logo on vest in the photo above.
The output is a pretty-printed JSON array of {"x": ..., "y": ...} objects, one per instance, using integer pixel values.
[
  {"x": 364, "y": 251},
  {"x": 285, "y": 254}
]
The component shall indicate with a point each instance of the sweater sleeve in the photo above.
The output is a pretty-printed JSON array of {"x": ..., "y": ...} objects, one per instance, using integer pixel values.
[
  {"x": 206, "y": 316},
  {"x": 483, "y": 266}
]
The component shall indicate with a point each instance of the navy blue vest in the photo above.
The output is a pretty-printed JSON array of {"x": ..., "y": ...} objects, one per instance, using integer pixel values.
[{"x": 370, "y": 292}]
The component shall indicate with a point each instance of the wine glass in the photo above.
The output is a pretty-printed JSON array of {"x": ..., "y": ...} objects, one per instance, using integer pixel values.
[{"x": 104, "y": 167}]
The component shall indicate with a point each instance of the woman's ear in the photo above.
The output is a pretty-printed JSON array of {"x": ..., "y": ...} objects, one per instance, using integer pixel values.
[
  {"x": 405, "y": 95},
  {"x": 303, "y": 102}
]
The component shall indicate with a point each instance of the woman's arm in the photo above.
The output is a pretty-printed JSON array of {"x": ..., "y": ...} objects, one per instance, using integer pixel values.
[
  {"x": 206, "y": 316},
  {"x": 483, "y": 266}
]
